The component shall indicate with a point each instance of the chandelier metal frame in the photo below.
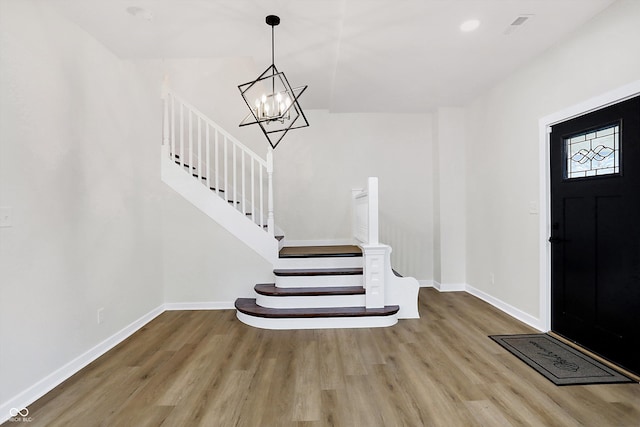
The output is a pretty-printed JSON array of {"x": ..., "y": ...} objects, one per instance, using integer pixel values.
[{"x": 277, "y": 112}]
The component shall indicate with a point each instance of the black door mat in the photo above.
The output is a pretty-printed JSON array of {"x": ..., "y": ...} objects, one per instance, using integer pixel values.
[{"x": 557, "y": 361}]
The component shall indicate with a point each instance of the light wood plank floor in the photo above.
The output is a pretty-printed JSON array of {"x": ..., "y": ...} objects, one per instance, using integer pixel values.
[{"x": 191, "y": 368}]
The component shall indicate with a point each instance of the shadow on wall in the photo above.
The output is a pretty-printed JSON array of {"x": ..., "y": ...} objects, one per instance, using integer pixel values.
[{"x": 410, "y": 254}]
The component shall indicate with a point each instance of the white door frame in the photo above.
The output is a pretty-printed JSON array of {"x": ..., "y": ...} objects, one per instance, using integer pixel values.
[{"x": 620, "y": 94}]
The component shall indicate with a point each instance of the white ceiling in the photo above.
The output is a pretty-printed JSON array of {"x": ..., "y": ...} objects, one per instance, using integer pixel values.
[{"x": 401, "y": 56}]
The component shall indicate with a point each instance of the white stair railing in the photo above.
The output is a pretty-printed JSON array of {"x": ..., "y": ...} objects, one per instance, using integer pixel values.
[
  {"x": 219, "y": 161},
  {"x": 382, "y": 285}
]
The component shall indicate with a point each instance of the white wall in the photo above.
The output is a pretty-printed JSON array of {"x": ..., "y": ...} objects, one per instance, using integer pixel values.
[
  {"x": 434, "y": 164},
  {"x": 503, "y": 149},
  {"x": 79, "y": 166},
  {"x": 202, "y": 262},
  {"x": 211, "y": 86},
  {"x": 316, "y": 168},
  {"x": 93, "y": 225},
  {"x": 449, "y": 199}
]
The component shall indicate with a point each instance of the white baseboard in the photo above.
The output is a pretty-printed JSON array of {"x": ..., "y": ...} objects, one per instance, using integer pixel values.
[
  {"x": 425, "y": 283},
  {"x": 500, "y": 305},
  {"x": 507, "y": 308},
  {"x": 449, "y": 287},
  {"x": 45, "y": 385},
  {"x": 211, "y": 305}
]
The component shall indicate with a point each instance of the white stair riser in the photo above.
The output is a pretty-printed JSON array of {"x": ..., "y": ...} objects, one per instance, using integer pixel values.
[
  {"x": 310, "y": 301},
  {"x": 318, "y": 322},
  {"x": 318, "y": 281},
  {"x": 324, "y": 262}
]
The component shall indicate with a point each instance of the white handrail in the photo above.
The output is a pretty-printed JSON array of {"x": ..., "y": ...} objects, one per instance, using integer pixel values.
[{"x": 183, "y": 144}]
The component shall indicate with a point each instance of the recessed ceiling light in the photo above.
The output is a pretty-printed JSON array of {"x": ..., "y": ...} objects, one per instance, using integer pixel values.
[{"x": 469, "y": 25}]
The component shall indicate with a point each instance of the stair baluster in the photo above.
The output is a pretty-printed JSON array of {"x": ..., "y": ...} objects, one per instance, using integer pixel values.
[{"x": 208, "y": 157}]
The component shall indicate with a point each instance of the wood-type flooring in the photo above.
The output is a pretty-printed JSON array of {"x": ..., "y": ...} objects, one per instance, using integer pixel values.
[{"x": 205, "y": 368}]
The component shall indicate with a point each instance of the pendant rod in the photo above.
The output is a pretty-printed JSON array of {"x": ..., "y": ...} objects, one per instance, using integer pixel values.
[
  {"x": 273, "y": 62},
  {"x": 273, "y": 20}
]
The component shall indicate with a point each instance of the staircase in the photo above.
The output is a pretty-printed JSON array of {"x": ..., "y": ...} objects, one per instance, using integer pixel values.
[
  {"x": 339, "y": 286},
  {"x": 316, "y": 287}
]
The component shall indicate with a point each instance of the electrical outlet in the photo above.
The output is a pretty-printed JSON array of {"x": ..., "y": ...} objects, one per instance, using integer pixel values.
[
  {"x": 100, "y": 315},
  {"x": 492, "y": 277}
]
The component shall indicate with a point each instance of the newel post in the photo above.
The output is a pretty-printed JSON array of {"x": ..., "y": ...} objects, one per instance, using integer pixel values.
[
  {"x": 374, "y": 253},
  {"x": 365, "y": 234},
  {"x": 270, "y": 219},
  {"x": 375, "y": 258}
]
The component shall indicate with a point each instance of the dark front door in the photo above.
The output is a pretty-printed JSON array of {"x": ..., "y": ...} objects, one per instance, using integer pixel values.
[{"x": 595, "y": 232}]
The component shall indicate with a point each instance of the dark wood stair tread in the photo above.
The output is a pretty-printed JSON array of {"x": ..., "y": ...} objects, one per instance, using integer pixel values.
[
  {"x": 320, "y": 251},
  {"x": 270, "y": 289},
  {"x": 248, "y": 306},
  {"x": 348, "y": 271}
]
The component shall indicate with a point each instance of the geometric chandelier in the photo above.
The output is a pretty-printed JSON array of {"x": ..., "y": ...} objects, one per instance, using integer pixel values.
[{"x": 272, "y": 101}]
